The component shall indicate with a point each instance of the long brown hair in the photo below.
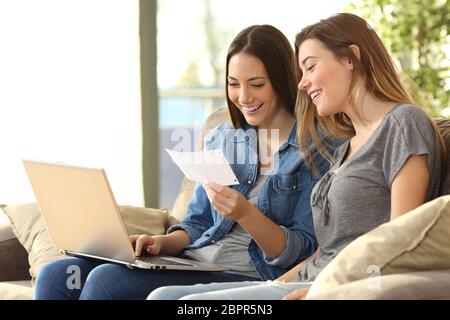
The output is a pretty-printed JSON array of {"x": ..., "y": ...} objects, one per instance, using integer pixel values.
[
  {"x": 271, "y": 46},
  {"x": 374, "y": 66}
]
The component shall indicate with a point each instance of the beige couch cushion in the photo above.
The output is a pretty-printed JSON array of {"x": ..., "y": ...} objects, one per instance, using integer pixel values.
[
  {"x": 416, "y": 241},
  {"x": 423, "y": 285},
  {"x": 139, "y": 220},
  {"x": 30, "y": 229},
  {"x": 6, "y": 232},
  {"x": 16, "y": 291}
]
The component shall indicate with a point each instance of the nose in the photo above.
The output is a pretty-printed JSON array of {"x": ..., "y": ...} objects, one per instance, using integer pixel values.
[
  {"x": 303, "y": 84},
  {"x": 244, "y": 96}
]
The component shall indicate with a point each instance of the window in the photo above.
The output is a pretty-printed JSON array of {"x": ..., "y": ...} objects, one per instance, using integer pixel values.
[{"x": 70, "y": 82}]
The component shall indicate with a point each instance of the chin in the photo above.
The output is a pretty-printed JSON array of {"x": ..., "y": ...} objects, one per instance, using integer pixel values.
[
  {"x": 252, "y": 122},
  {"x": 324, "y": 112},
  {"x": 320, "y": 111}
]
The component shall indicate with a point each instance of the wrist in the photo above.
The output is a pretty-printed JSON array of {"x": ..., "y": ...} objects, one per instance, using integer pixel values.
[
  {"x": 249, "y": 212},
  {"x": 159, "y": 239}
]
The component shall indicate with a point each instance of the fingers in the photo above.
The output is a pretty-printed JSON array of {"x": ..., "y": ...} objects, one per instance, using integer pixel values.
[
  {"x": 219, "y": 193},
  {"x": 214, "y": 186},
  {"x": 142, "y": 241},
  {"x": 216, "y": 198},
  {"x": 133, "y": 239},
  {"x": 152, "y": 250},
  {"x": 224, "y": 199},
  {"x": 226, "y": 191},
  {"x": 222, "y": 204}
]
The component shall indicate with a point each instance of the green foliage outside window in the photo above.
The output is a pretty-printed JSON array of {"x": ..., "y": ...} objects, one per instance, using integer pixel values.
[{"x": 416, "y": 32}]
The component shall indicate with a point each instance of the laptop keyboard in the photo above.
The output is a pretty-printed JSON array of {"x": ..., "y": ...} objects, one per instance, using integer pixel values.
[{"x": 161, "y": 261}]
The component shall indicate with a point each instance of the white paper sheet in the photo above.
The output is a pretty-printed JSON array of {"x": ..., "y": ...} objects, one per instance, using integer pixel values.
[{"x": 203, "y": 166}]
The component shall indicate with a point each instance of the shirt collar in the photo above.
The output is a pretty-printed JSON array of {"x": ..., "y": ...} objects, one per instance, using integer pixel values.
[{"x": 291, "y": 140}]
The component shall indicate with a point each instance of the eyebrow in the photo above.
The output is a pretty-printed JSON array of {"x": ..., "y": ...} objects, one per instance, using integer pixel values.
[
  {"x": 249, "y": 79},
  {"x": 307, "y": 58}
]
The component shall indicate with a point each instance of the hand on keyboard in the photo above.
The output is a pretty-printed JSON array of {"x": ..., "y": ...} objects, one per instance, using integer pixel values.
[{"x": 144, "y": 242}]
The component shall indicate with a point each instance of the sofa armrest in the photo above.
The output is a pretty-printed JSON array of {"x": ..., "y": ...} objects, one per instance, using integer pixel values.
[
  {"x": 13, "y": 256},
  {"x": 14, "y": 261}
]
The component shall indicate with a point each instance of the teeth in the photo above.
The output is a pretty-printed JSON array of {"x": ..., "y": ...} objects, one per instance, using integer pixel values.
[
  {"x": 252, "y": 109},
  {"x": 314, "y": 94}
]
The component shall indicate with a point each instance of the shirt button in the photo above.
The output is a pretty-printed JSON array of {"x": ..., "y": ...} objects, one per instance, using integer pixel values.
[
  {"x": 212, "y": 241},
  {"x": 295, "y": 187},
  {"x": 249, "y": 181}
]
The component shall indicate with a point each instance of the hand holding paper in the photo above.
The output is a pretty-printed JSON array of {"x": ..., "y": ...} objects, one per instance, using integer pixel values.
[{"x": 204, "y": 166}]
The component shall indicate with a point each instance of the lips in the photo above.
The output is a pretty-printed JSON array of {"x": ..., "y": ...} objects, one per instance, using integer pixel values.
[
  {"x": 314, "y": 94},
  {"x": 252, "y": 109}
]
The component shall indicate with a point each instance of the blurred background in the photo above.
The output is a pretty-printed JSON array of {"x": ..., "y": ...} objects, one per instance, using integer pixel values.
[{"x": 111, "y": 83}]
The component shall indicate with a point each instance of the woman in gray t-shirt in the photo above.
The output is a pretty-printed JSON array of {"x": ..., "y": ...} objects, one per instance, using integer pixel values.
[{"x": 389, "y": 165}]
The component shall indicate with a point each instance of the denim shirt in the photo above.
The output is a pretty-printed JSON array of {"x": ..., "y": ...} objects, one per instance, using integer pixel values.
[{"x": 284, "y": 198}]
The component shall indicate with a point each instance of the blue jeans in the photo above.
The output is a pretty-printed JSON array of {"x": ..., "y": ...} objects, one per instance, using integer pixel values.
[
  {"x": 85, "y": 279},
  {"x": 245, "y": 290}
]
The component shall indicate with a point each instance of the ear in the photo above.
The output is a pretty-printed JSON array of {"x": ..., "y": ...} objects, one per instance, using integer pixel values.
[{"x": 355, "y": 49}]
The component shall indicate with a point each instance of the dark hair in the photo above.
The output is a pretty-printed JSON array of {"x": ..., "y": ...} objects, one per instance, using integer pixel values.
[{"x": 271, "y": 46}]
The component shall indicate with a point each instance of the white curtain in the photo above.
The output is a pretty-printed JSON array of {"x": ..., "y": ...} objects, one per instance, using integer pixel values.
[{"x": 70, "y": 91}]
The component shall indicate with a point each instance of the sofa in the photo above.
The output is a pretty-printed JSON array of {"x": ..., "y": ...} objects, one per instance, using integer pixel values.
[{"x": 25, "y": 245}]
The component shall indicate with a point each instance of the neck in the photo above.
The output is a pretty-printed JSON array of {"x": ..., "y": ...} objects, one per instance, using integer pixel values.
[
  {"x": 272, "y": 135},
  {"x": 371, "y": 112},
  {"x": 281, "y": 121}
]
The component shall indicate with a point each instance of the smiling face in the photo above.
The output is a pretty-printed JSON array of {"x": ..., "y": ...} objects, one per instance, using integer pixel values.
[
  {"x": 325, "y": 78},
  {"x": 250, "y": 90}
]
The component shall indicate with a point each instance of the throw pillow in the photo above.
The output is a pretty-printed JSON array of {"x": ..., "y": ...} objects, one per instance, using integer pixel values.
[
  {"x": 139, "y": 220},
  {"x": 416, "y": 241},
  {"x": 31, "y": 231},
  {"x": 29, "y": 228}
]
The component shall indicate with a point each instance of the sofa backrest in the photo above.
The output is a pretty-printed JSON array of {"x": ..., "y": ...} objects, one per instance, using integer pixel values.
[
  {"x": 180, "y": 206},
  {"x": 444, "y": 127}
]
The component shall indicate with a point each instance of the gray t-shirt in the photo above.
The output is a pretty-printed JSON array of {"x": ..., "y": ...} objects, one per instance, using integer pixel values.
[
  {"x": 232, "y": 249},
  {"x": 355, "y": 197}
]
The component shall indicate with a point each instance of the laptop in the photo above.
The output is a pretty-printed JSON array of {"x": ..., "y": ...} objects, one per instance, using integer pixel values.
[{"x": 84, "y": 220}]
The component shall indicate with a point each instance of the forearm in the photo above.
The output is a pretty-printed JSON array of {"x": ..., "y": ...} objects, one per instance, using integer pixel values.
[
  {"x": 174, "y": 242},
  {"x": 269, "y": 236},
  {"x": 290, "y": 275}
]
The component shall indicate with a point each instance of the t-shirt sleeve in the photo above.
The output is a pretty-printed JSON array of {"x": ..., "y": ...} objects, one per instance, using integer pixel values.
[{"x": 408, "y": 132}]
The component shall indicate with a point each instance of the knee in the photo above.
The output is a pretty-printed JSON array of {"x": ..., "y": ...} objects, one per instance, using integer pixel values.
[
  {"x": 98, "y": 283},
  {"x": 203, "y": 296},
  {"x": 51, "y": 280},
  {"x": 192, "y": 297},
  {"x": 44, "y": 276},
  {"x": 47, "y": 270},
  {"x": 167, "y": 293}
]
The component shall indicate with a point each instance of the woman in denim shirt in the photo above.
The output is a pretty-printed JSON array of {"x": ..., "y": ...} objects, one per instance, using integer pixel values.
[{"x": 260, "y": 228}]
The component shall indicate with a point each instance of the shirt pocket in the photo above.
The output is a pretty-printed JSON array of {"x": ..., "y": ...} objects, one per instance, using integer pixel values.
[
  {"x": 291, "y": 183},
  {"x": 284, "y": 194}
]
